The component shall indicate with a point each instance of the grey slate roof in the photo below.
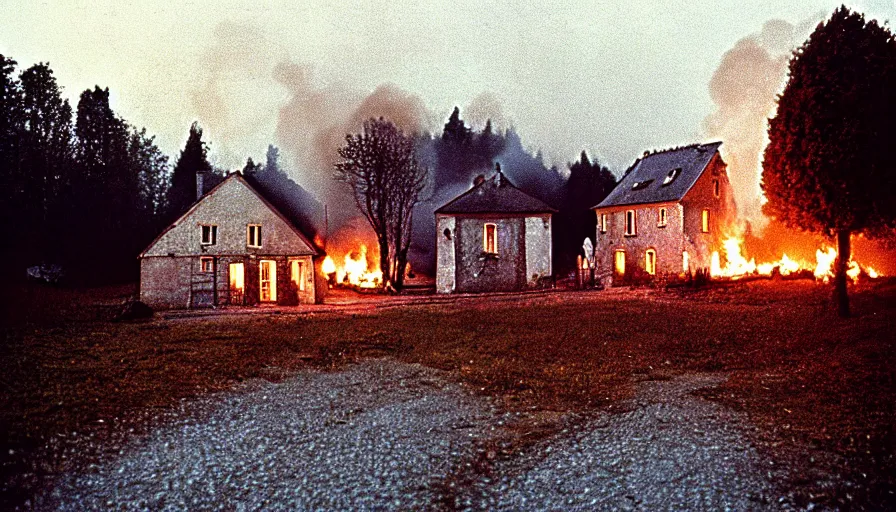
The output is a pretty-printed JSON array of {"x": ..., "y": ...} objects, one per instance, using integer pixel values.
[
  {"x": 495, "y": 195},
  {"x": 692, "y": 160}
]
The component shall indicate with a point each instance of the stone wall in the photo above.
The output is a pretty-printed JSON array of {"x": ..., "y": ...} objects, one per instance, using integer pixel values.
[
  {"x": 446, "y": 235},
  {"x": 481, "y": 272},
  {"x": 538, "y": 249}
]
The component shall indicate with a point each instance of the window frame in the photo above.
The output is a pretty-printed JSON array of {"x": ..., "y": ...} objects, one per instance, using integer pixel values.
[
  {"x": 485, "y": 240},
  {"x": 213, "y": 234},
  {"x": 603, "y": 222},
  {"x": 716, "y": 188},
  {"x": 704, "y": 221},
  {"x": 249, "y": 237},
  {"x": 203, "y": 260},
  {"x": 650, "y": 266},
  {"x": 662, "y": 218},
  {"x": 634, "y": 223}
]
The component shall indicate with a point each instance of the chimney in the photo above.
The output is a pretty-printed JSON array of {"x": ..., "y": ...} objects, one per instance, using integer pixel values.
[
  {"x": 478, "y": 180},
  {"x": 200, "y": 182}
]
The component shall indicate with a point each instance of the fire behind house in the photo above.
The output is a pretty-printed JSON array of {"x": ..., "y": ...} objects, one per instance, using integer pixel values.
[
  {"x": 668, "y": 215},
  {"x": 233, "y": 247},
  {"x": 493, "y": 237}
]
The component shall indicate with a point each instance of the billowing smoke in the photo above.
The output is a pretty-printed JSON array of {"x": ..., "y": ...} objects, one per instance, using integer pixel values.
[{"x": 744, "y": 88}]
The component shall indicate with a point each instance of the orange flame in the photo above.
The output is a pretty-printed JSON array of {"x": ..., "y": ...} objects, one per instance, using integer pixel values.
[
  {"x": 354, "y": 270},
  {"x": 737, "y": 264}
]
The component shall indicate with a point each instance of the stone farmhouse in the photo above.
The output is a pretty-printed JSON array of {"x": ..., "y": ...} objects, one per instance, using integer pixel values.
[
  {"x": 494, "y": 237},
  {"x": 232, "y": 247},
  {"x": 667, "y": 214}
]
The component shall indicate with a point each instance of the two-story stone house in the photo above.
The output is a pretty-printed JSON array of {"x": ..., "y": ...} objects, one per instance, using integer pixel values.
[
  {"x": 667, "y": 215},
  {"x": 493, "y": 237},
  {"x": 232, "y": 247}
]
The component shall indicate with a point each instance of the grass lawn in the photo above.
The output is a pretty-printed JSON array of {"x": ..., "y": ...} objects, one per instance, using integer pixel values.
[{"x": 795, "y": 367}]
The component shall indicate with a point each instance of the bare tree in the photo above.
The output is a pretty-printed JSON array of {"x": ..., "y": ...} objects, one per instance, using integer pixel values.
[{"x": 382, "y": 169}]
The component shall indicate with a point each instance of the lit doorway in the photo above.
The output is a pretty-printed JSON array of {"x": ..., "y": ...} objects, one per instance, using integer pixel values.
[
  {"x": 268, "y": 280},
  {"x": 237, "y": 283},
  {"x": 619, "y": 263}
]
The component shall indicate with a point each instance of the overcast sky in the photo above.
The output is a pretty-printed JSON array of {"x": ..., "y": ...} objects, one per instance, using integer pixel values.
[{"x": 612, "y": 77}]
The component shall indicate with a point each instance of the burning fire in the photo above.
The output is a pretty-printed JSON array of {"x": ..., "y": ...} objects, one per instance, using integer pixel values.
[
  {"x": 737, "y": 264},
  {"x": 354, "y": 270}
]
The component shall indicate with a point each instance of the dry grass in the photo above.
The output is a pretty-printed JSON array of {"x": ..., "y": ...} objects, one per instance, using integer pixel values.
[{"x": 794, "y": 365}]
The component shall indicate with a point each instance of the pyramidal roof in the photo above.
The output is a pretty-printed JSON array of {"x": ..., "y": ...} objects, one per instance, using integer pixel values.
[
  {"x": 663, "y": 176},
  {"x": 495, "y": 195}
]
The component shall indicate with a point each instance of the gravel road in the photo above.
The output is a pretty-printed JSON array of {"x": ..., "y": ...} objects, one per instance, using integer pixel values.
[{"x": 382, "y": 435}]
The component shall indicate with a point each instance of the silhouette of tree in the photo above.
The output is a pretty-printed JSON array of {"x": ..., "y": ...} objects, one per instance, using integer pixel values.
[
  {"x": 381, "y": 168},
  {"x": 193, "y": 158},
  {"x": 829, "y": 167}
]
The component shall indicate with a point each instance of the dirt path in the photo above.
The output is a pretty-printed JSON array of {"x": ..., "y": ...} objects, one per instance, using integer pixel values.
[{"x": 388, "y": 435}]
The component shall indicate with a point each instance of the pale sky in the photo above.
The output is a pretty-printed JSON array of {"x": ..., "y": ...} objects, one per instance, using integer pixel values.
[{"x": 613, "y": 77}]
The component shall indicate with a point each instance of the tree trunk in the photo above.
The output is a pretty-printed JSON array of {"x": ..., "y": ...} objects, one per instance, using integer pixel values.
[
  {"x": 400, "y": 266},
  {"x": 384, "y": 260},
  {"x": 840, "y": 277}
]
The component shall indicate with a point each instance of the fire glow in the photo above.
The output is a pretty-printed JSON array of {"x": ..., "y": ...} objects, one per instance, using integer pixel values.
[
  {"x": 738, "y": 266},
  {"x": 354, "y": 270}
]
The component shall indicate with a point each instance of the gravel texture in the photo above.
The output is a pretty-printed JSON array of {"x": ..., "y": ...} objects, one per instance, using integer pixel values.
[
  {"x": 383, "y": 435},
  {"x": 670, "y": 450},
  {"x": 380, "y": 435}
]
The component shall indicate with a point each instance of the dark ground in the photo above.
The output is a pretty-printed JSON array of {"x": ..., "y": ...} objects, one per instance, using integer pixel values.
[{"x": 806, "y": 376}]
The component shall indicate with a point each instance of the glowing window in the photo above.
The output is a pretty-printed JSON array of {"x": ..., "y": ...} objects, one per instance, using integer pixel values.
[
  {"x": 685, "y": 261},
  {"x": 206, "y": 264},
  {"x": 630, "y": 228},
  {"x": 650, "y": 261},
  {"x": 661, "y": 221},
  {"x": 253, "y": 235},
  {"x": 603, "y": 223},
  {"x": 490, "y": 238},
  {"x": 619, "y": 262},
  {"x": 705, "y": 221},
  {"x": 209, "y": 234},
  {"x": 297, "y": 273}
]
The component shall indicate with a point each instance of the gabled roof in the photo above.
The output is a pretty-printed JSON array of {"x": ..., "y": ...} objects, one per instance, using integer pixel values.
[
  {"x": 656, "y": 178},
  {"x": 495, "y": 195},
  {"x": 318, "y": 250}
]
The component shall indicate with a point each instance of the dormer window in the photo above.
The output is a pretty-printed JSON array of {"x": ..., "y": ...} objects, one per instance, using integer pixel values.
[
  {"x": 638, "y": 185},
  {"x": 671, "y": 176}
]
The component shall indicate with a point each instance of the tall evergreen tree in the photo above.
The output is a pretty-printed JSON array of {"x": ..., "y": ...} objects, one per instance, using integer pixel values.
[
  {"x": 272, "y": 160},
  {"x": 193, "y": 158},
  {"x": 588, "y": 184},
  {"x": 829, "y": 167},
  {"x": 45, "y": 151}
]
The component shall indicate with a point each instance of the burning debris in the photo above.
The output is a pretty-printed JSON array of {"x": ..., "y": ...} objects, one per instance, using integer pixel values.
[{"x": 354, "y": 271}]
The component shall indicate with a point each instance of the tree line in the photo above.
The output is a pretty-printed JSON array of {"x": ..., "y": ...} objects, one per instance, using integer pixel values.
[{"x": 81, "y": 187}]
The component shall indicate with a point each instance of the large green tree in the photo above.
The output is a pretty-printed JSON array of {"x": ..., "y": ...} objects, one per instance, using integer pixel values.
[
  {"x": 829, "y": 166},
  {"x": 381, "y": 167}
]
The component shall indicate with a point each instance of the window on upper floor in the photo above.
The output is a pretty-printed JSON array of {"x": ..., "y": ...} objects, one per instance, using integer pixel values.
[
  {"x": 661, "y": 220},
  {"x": 253, "y": 235},
  {"x": 490, "y": 238},
  {"x": 670, "y": 177},
  {"x": 209, "y": 234},
  {"x": 704, "y": 221},
  {"x": 631, "y": 229},
  {"x": 716, "y": 191},
  {"x": 603, "y": 223}
]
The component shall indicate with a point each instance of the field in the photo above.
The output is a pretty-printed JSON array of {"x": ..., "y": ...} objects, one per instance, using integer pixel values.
[{"x": 806, "y": 376}]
